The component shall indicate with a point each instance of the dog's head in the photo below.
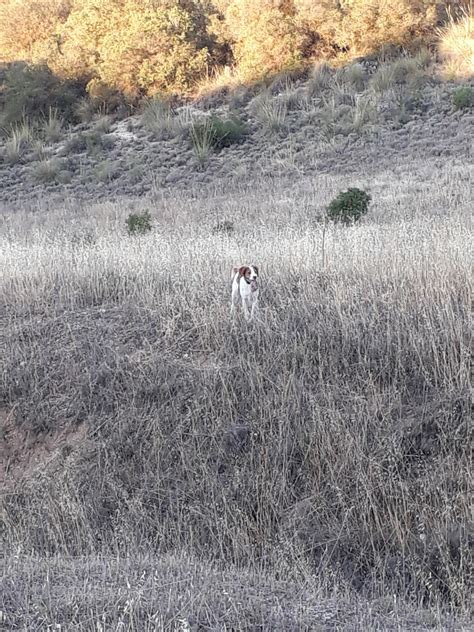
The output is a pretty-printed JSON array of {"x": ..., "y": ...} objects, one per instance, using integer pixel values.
[{"x": 249, "y": 274}]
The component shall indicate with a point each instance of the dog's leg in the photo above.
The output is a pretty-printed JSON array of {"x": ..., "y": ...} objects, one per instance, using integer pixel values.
[
  {"x": 254, "y": 307},
  {"x": 234, "y": 300},
  {"x": 245, "y": 308}
]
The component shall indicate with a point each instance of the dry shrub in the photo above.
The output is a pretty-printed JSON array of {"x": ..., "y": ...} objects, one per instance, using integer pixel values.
[{"x": 456, "y": 46}]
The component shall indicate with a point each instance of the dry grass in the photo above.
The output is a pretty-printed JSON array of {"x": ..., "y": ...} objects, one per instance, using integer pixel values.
[
  {"x": 270, "y": 112},
  {"x": 163, "y": 121},
  {"x": 328, "y": 443},
  {"x": 179, "y": 593},
  {"x": 202, "y": 137},
  {"x": 52, "y": 127},
  {"x": 456, "y": 46},
  {"x": 47, "y": 170},
  {"x": 17, "y": 141}
]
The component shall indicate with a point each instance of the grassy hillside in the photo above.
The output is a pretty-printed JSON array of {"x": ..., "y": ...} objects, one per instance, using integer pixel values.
[
  {"x": 358, "y": 119},
  {"x": 167, "y": 467}
]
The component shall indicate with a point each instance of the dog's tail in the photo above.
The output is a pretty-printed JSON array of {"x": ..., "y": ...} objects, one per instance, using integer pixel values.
[{"x": 235, "y": 270}]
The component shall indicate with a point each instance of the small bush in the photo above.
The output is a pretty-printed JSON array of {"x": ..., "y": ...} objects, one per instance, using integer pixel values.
[
  {"x": 463, "y": 98},
  {"x": 220, "y": 132},
  {"x": 349, "y": 206},
  {"x": 138, "y": 223}
]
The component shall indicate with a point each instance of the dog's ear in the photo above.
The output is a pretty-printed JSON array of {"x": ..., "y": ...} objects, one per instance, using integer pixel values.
[
  {"x": 243, "y": 270},
  {"x": 256, "y": 269}
]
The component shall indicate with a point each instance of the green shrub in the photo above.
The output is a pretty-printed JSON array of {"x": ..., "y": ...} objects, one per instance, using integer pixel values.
[
  {"x": 224, "y": 226},
  {"x": 349, "y": 206},
  {"x": 221, "y": 132},
  {"x": 227, "y": 132},
  {"x": 463, "y": 98},
  {"x": 138, "y": 223},
  {"x": 32, "y": 91}
]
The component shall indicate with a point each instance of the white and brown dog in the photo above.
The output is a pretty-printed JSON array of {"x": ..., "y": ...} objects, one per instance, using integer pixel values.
[{"x": 245, "y": 289}]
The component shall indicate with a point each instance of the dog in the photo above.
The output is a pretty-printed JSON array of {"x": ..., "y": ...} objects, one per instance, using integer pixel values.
[{"x": 245, "y": 289}]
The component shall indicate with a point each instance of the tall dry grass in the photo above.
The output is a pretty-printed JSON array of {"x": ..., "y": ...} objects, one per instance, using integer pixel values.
[
  {"x": 329, "y": 439},
  {"x": 456, "y": 45}
]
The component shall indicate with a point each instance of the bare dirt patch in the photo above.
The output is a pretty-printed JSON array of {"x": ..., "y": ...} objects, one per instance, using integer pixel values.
[{"x": 23, "y": 454}]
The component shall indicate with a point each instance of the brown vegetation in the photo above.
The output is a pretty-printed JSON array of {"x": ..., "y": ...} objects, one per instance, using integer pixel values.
[{"x": 145, "y": 47}]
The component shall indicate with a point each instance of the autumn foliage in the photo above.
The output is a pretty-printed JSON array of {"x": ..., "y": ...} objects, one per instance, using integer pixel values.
[{"x": 145, "y": 47}]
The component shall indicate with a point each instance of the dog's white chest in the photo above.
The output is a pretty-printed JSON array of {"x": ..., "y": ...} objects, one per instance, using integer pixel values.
[{"x": 248, "y": 291}]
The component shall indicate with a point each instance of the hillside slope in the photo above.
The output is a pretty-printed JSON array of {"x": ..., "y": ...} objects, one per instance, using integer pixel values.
[
  {"x": 356, "y": 121},
  {"x": 168, "y": 467}
]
